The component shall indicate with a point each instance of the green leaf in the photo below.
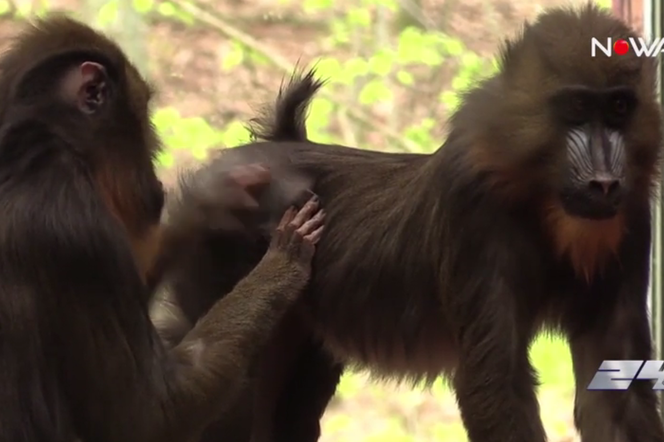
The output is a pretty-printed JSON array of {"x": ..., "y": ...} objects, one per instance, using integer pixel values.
[
  {"x": 495, "y": 66},
  {"x": 24, "y": 9},
  {"x": 199, "y": 152},
  {"x": 199, "y": 134},
  {"x": 165, "y": 118},
  {"x": 320, "y": 112},
  {"x": 440, "y": 388},
  {"x": 234, "y": 134},
  {"x": 351, "y": 70},
  {"x": 338, "y": 423},
  {"x": 258, "y": 57},
  {"x": 328, "y": 68},
  {"x": 340, "y": 32},
  {"x": 406, "y": 78},
  {"x": 165, "y": 159},
  {"x": 470, "y": 60},
  {"x": 453, "y": 46},
  {"x": 461, "y": 82},
  {"x": 375, "y": 91},
  {"x": 143, "y": 6},
  {"x": 449, "y": 431},
  {"x": 420, "y": 134},
  {"x": 166, "y": 9},
  {"x": 392, "y": 431},
  {"x": 184, "y": 17},
  {"x": 428, "y": 123},
  {"x": 350, "y": 385},
  {"x": 431, "y": 57},
  {"x": 317, "y": 5},
  {"x": 381, "y": 63},
  {"x": 234, "y": 56},
  {"x": 359, "y": 17},
  {"x": 409, "y": 41},
  {"x": 357, "y": 67},
  {"x": 392, "y": 5},
  {"x": 108, "y": 13},
  {"x": 416, "y": 47},
  {"x": 4, "y": 7},
  {"x": 451, "y": 100}
]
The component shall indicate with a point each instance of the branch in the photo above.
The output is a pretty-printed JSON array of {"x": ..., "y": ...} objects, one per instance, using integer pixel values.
[{"x": 222, "y": 26}]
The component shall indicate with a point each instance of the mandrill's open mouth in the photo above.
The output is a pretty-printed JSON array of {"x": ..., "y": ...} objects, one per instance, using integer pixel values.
[{"x": 591, "y": 205}]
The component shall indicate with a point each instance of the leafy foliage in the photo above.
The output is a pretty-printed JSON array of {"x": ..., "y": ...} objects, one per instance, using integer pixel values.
[
  {"x": 375, "y": 76},
  {"x": 193, "y": 134},
  {"x": 379, "y": 77}
]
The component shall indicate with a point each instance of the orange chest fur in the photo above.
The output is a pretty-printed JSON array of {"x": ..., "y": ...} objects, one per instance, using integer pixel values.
[{"x": 587, "y": 244}]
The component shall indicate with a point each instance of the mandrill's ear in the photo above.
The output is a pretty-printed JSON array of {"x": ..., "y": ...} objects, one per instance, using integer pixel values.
[{"x": 86, "y": 86}]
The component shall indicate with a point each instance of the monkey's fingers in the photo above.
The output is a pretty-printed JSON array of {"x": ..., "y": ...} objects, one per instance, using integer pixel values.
[
  {"x": 306, "y": 212},
  {"x": 312, "y": 224},
  {"x": 304, "y": 196},
  {"x": 286, "y": 219},
  {"x": 314, "y": 236},
  {"x": 283, "y": 231},
  {"x": 294, "y": 243}
]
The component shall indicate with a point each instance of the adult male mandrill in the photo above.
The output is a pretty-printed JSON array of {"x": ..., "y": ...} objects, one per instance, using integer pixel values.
[{"x": 535, "y": 213}]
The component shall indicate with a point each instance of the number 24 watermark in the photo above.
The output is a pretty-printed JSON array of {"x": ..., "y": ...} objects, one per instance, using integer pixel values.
[{"x": 618, "y": 375}]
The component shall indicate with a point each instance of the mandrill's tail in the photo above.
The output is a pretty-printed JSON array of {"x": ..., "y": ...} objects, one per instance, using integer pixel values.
[{"x": 286, "y": 120}]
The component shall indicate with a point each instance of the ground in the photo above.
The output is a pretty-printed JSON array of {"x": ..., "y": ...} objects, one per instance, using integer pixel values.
[{"x": 185, "y": 67}]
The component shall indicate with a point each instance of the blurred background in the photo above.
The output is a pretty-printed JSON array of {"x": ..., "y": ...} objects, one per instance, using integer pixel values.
[{"x": 395, "y": 69}]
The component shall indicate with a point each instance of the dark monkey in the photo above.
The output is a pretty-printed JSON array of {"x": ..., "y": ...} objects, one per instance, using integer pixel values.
[
  {"x": 79, "y": 357},
  {"x": 535, "y": 213}
]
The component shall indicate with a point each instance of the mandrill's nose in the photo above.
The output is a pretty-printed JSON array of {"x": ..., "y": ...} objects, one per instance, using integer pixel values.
[{"x": 607, "y": 187}]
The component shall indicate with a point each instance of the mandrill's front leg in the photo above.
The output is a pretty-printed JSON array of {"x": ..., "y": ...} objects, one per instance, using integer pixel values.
[{"x": 622, "y": 332}]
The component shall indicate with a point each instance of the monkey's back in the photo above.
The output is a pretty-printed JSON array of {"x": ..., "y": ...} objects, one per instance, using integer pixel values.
[{"x": 374, "y": 204}]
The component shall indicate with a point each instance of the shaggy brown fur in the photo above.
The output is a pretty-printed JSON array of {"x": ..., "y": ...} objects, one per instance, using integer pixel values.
[
  {"x": 79, "y": 357},
  {"x": 534, "y": 213}
]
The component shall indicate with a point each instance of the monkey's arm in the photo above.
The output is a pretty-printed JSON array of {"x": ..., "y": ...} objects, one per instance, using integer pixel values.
[
  {"x": 494, "y": 349},
  {"x": 168, "y": 319},
  {"x": 203, "y": 204},
  {"x": 213, "y": 359},
  {"x": 214, "y": 232}
]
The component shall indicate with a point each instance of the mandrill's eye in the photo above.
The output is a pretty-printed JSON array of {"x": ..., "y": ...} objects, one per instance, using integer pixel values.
[
  {"x": 579, "y": 109},
  {"x": 619, "y": 106},
  {"x": 575, "y": 105},
  {"x": 579, "y": 105}
]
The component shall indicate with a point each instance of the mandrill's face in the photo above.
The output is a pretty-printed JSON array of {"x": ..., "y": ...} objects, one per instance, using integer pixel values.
[{"x": 594, "y": 181}]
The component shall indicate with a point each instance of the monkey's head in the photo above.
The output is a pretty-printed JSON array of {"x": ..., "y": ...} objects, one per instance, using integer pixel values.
[
  {"x": 580, "y": 132},
  {"x": 77, "y": 87}
]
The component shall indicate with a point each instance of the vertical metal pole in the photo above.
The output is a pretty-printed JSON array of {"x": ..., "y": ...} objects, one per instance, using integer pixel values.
[
  {"x": 652, "y": 27},
  {"x": 657, "y": 266}
]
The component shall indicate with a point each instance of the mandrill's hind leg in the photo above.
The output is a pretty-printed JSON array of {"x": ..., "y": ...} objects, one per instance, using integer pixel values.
[
  {"x": 312, "y": 383},
  {"x": 295, "y": 381}
]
